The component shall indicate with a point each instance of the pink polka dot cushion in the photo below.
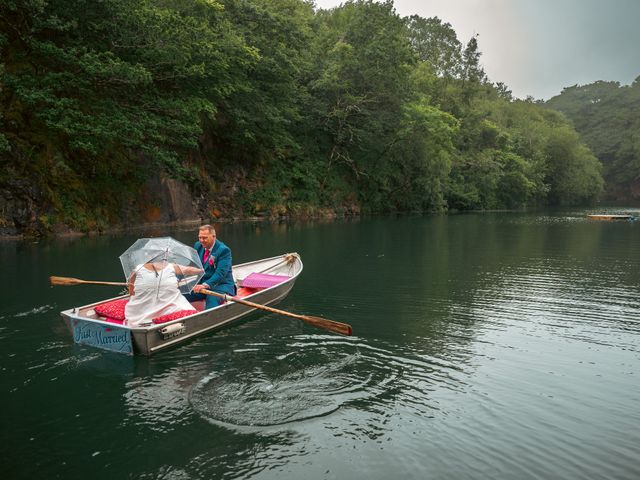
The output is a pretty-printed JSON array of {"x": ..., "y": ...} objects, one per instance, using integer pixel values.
[
  {"x": 263, "y": 280},
  {"x": 173, "y": 316},
  {"x": 113, "y": 310},
  {"x": 113, "y": 320}
]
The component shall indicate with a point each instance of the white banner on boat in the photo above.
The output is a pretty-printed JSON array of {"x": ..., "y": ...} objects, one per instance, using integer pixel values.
[{"x": 106, "y": 337}]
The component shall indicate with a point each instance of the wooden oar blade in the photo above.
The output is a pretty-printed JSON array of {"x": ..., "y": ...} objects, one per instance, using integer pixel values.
[
  {"x": 63, "y": 281},
  {"x": 68, "y": 281},
  {"x": 331, "y": 325}
]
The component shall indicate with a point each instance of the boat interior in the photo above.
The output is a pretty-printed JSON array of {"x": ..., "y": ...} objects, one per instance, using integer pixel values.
[{"x": 250, "y": 279}]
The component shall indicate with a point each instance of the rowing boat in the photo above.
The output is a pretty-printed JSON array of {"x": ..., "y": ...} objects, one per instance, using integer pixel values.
[
  {"x": 608, "y": 217},
  {"x": 264, "y": 282}
]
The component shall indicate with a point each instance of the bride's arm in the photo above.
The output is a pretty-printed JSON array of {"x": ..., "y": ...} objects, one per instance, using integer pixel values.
[{"x": 184, "y": 270}]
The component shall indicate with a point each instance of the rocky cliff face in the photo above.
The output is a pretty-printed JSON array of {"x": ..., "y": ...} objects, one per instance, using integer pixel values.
[
  {"x": 165, "y": 200},
  {"x": 18, "y": 209},
  {"x": 162, "y": 200}
]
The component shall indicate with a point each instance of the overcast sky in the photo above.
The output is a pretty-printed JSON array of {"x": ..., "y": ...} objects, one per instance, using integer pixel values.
[{"x": 538, "y": 47}]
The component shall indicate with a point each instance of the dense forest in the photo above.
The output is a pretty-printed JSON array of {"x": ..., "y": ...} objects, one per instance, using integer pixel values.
[
  {"x": 607, "y": 116},
  {"x": 262, "y": 107}
]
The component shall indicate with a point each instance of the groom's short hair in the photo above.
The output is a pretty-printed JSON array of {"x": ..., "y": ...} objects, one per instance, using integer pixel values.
[{"x": 208, "y": 227}]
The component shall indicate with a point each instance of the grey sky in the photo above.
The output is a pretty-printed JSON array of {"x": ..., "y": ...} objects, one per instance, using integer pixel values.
[{"x": 538, "y": 47}]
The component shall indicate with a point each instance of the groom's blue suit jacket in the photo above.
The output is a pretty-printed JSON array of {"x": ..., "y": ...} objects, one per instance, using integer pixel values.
[{"x": 217, "y": 268}]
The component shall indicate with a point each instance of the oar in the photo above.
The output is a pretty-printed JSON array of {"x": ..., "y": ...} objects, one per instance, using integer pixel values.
[
  {"x": 67, "y": 281},
  {"x": 331, "y": 325}
]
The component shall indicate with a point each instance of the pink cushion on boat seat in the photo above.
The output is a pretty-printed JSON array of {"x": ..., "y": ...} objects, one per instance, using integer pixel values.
[
  {"x": 112, "y": 320},
  {"x": 113, "y": 310},
  {"x": 173, "y": 316},
  {"x": 263, "y": 280},
  {"x": 245, "y": 292}
]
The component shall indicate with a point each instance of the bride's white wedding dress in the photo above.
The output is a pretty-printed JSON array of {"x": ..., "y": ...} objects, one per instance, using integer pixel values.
[{"x": 156, "y": 293}]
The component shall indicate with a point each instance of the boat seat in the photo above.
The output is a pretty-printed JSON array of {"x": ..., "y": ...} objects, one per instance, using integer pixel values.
[
  {"x": 112, "y": 320},
  {"x": 245, "y": 291},
  {"x": 113, "y": 311},
  {"x": 172, "y": 316},
  {"x": 262, "y": 280},
  {"x": 200, "y": 305}
]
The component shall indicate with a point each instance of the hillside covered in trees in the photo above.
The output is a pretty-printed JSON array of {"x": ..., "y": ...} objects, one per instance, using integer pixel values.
[
  {"x": 262, "y": 107},
  {"x": 607, "y": 116}
]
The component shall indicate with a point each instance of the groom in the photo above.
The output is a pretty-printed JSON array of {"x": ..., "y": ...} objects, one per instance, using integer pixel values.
[{"x": 216, "y": 259}]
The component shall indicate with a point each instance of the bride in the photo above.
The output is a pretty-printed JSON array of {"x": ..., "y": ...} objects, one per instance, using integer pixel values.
[{"x": 154, "y": 292}]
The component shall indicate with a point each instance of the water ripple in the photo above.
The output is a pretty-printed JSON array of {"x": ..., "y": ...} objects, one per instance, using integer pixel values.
[
  {"x": 561, "y": 301},
  {"x": 158, "y": 403},
  {"x": 35, "y": 310},
  {"x": 317, "y": 376}
]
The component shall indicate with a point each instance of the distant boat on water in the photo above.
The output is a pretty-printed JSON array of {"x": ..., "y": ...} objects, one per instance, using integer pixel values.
[{"x": 607, "y": 216}]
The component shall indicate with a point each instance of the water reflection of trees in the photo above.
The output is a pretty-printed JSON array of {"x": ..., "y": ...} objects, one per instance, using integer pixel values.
[
  {"x": 414, "y": 275},
  {"x": 438, "y": 269}
]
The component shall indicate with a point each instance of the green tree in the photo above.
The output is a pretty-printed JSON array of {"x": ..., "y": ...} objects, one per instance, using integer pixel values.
[
  {"x": 94, "y": 91},
  {"x": 364, "y": 65},
  {"x": 607, "y": 116},
  {"x": 272, "y": 107},
  {"x": 436, "y": 44}
]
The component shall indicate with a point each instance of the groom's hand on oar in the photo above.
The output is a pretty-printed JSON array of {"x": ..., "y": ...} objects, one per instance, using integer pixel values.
[{"x": 201, "y": 286}]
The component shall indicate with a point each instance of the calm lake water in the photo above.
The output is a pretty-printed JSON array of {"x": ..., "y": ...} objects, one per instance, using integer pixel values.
[{"x": 495, "y": 346}]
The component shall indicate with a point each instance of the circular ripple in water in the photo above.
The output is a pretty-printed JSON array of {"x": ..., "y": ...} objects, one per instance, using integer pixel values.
[
  {"x": 265, "y": 390},
  {"x": 262, "y": 386}
]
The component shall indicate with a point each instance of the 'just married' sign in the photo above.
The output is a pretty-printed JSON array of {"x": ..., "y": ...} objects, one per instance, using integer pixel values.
[{"x": 111, "y": 338}]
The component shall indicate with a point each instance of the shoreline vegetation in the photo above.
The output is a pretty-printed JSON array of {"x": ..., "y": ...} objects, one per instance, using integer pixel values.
[
  {"x": 194, "y": 223},
  {"x": 261, "y": 219},
  {"x": 127, "y": 112}
]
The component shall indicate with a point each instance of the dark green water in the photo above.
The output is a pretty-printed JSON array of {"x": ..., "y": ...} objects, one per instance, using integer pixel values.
[{"x": 486, "y": 346}]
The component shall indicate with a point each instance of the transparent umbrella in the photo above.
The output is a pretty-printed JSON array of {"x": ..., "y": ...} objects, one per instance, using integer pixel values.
[{"x": 158, "y": 255}]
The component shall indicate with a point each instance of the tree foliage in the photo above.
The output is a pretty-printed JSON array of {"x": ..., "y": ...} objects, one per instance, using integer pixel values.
[
  {"x": 272, "y": 105},
  {"x": 607, "y": 116}
]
